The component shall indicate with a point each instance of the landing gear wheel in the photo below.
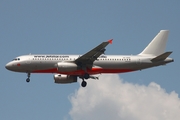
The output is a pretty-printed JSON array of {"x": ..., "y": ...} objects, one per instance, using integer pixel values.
[
  {"x": 84, "y": 83},
  {"x": 27, "y": 80},
  {"x": 86, "y": 76},
  {"x": 28, "y": 75}
]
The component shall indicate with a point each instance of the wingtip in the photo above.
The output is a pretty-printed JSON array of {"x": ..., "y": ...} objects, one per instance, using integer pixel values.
[{"x": 110, "y": 41}]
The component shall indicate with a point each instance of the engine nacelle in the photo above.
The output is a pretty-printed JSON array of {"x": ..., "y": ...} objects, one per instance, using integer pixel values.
[
  {"x": 66, "y": 67},
  {"x": 58, "y": 78}
]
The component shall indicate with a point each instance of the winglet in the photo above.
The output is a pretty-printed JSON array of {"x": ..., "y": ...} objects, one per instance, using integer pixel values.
[{"x": 110, "y": 41}]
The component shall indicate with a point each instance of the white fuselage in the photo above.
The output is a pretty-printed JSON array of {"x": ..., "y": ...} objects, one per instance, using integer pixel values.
[{"x": 103, "y": 64}]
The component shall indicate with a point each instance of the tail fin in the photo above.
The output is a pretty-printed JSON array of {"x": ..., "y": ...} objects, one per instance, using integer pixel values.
[{"x": 157, "y": 45}]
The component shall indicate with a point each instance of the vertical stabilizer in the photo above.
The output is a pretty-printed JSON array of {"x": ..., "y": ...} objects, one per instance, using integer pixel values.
[{"x": 157, "y": 45}]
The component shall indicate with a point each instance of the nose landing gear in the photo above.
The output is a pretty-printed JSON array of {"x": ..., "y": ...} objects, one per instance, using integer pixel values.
[{"x": 28, "y": 75}]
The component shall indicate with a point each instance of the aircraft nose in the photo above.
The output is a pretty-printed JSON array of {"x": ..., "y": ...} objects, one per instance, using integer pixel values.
[{"x": 8, "y": 66}]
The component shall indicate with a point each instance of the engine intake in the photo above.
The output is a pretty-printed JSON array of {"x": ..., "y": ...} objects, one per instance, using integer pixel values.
[{"x": 62, "y": 79}]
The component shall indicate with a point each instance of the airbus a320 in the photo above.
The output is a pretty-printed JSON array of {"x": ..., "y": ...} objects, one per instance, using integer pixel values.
[{"x": 68, "y": 68}]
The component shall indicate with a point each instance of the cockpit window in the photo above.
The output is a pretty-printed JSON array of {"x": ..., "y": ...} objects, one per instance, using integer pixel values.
[{"x": 16, "y": 59}]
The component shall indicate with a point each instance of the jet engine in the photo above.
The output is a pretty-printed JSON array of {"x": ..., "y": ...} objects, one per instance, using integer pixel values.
[
  {"x": 66, "y": 67},
  {"x": 62, "y": 79}
]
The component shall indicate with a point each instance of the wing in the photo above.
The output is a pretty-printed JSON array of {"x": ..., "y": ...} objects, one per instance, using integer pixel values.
[{"x": 88, "y": 58}]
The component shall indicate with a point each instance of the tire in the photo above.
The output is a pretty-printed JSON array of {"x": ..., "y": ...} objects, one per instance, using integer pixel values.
[
  {"x": 27, "y": 80},
  {"x": 84, "y": 83}
]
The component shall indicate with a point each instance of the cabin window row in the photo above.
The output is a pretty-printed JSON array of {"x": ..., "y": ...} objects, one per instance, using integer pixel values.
[
  {"x": 74, "y": 59},
  {"x": 116, "y": 59},
  {"x": 51, "y": 59}
]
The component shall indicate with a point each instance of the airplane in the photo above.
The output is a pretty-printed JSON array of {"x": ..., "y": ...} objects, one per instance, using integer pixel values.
[{"x": 68, "y": 68}]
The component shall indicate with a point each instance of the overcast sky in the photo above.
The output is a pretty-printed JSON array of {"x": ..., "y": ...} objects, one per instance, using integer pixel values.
[{"x": 75, "y": 27}]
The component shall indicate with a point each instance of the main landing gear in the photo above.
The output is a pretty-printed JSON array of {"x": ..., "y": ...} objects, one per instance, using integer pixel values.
[
  {"x": 85, "y": 76},
  {"x": 28, "y": 79},
  {"x": 84, "y": 83}
]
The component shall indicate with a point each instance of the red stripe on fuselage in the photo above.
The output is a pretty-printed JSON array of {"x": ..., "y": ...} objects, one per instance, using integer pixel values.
[{"x": 81, "y": 72}]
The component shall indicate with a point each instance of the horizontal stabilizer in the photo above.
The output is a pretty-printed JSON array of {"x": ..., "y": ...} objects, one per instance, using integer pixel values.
[{"x": 161, "y": 57}]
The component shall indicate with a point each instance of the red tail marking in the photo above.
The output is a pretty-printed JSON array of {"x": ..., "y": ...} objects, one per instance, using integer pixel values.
[{"x": 110, "y": 41}]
